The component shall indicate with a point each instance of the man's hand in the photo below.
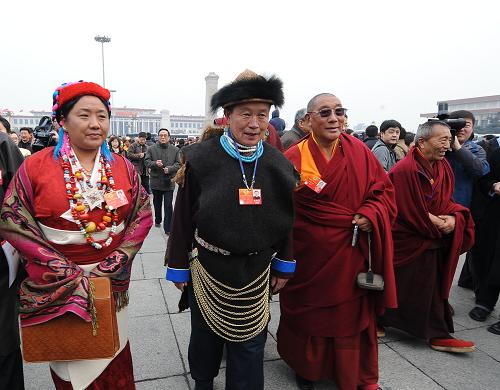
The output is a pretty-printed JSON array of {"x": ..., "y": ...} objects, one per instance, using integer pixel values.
[
  {"x": 496, "y": 188},
  {"x": 438, "y": 222},
  {"x": 159, "y": 163},
  {"x": 277, "y": 283},
  {"x": 449, "y": 223},
  {"x": 363, "y": 223},
  {"x": 181, "y": 285},
  {"x": 165, "y": 170},
  {"x": 141, "y": 155},
  {"x": 455, "y": 145}
]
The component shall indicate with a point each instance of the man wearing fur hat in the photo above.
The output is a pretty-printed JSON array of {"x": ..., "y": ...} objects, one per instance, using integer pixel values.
[{"x": 230, "y": 244}]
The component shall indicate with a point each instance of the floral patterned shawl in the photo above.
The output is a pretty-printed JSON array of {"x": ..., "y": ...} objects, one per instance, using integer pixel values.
[{"x": 55, "y": 284}]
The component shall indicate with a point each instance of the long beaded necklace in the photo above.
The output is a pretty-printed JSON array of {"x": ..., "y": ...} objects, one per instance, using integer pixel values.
[{"x": 76, "y": 199}]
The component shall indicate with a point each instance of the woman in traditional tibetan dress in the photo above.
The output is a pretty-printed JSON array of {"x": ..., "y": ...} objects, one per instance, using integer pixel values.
[{"x": 75, "y": 212}]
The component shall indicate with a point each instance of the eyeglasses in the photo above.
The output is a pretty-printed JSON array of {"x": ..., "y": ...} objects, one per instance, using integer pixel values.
[{"x": 326, "y": 112}]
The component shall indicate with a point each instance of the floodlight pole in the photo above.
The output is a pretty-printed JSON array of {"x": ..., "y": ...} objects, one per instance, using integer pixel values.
[{"x": 102, "y": 40}]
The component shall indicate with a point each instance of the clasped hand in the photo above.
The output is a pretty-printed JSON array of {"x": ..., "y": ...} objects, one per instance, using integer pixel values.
[
  {"x": 444, "y": 223},
  {"x": 363, "y": 223}
]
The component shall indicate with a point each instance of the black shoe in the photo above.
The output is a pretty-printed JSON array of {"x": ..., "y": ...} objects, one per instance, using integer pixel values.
[
  {"x": 479, "y": 314},
  {"x": 495, "y": 328},
  {"x": 157, "y": 224},
  {"x": 203, "y": 385},
  {"x": 303, "y": 383}
]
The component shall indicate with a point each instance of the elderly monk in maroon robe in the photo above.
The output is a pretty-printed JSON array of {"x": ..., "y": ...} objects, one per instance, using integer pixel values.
[
  {"x": 430, "y": 233},
  {"x": 327, "y": 328}
]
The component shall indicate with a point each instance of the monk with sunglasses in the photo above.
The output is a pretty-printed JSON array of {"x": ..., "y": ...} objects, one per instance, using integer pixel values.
[{"x": 345, "y": 201}]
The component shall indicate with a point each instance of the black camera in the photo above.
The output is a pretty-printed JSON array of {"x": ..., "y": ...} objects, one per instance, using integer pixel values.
[
  {"x": 43, "y": 134},
  {"x": 443, "y": 116}
]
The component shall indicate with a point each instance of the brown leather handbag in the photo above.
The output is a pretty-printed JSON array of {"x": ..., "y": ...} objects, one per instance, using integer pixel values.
[{"x": 68, "y": 337}]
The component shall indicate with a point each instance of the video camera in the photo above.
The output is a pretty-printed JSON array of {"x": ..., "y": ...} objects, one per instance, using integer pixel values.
[
  {"x": 443, "y": 116},
  {"x": 43, "y": 134}
]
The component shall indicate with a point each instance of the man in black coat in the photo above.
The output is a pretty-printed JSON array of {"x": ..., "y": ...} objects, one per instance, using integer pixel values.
[
  {"x": 487, "y": 248},
  {"x": 163, "y": 161},
  {"x": 137, "y": 154},
  {"x": 11, "y": 364}
]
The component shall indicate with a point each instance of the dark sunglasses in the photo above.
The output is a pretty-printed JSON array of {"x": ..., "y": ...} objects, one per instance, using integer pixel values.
[{"x": 326, "y": 112}]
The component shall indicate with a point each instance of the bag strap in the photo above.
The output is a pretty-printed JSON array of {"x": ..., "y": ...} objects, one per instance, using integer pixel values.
[{"x": 369, "y": 252}]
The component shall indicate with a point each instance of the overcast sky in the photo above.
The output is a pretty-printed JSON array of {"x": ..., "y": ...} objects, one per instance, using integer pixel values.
[{"x": 383, "y": 59}]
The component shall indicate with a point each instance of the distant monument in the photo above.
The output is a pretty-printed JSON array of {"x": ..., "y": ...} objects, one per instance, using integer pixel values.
[
  {"x": 165, "y": 120},
  {"x": 211, "y": 87}
]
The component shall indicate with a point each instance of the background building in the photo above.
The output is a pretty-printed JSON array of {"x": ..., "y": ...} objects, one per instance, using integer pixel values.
[
  {"x": 131, "y": 121},
  {"x": 125, "y": 121},
  {"x": 486, "y": 110}
]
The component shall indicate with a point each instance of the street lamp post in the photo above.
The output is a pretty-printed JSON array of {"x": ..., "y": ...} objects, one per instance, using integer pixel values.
[{"x": 102, "y": 40}]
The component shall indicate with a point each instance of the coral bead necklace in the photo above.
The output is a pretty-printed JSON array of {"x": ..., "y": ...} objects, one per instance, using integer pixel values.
[{"x": 78, "y": 186}]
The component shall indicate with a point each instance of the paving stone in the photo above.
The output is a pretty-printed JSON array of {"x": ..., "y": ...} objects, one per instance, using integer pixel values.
[
  {"x": 275, "y": 318},
  {"x": 171, "y": 295},
  {"x": 172, "y": 383},
  {"x": 472, "y": 371},
  {"x": 462, "y": 318},
  {"x": 137, "y": 272},
  {"x": 484, "y": 340},
  {"x": 146, "y": 298},
  {"x": 37, "y": 377},
  {"x": 398, "y": 374},
  {"x": 156, "y": 242},
  {"x": 154, "y": 349},
  {"x": 152, "y": 264}
]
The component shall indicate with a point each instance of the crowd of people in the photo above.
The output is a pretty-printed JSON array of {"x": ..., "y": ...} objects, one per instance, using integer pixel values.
[{"x": 356, "y": 232}]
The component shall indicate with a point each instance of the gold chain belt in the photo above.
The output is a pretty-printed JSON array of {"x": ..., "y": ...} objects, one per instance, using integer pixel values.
[{"x": 217, "y": 303}]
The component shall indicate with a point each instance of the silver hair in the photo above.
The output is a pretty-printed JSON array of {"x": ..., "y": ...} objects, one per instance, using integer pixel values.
[
  {"x": 300, "y": 114},
  {"x": 426, "y": 129}
]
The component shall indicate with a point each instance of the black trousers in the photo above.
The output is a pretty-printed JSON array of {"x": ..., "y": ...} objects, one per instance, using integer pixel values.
[
  {"x": 487, "y": 295},
  {"x": 11, "y": 363},
  {"x": 244, "y": 361},
  {"x": 165, "y": 198},
  {"x": 145, "y": 183},
  {"x": 11, "y": 371}
]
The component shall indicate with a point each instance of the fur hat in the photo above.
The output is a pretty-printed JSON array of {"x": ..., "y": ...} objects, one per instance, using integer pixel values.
[{"x": 249, "y": 87}]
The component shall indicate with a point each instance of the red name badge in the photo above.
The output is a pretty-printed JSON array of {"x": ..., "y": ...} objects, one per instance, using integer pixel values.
[
  {"x": 1, "y": 178},
  {"x": 115, "y": 199},
  {"x": 251, "y": 197},
  {"x": 315, "y": 184}
]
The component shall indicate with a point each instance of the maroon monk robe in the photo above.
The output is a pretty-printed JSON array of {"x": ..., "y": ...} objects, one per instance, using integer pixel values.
[
  {"x": 424, "y": 258},
  {"x": 422, "y": 188},
  {"x": 327, "y": 326}
]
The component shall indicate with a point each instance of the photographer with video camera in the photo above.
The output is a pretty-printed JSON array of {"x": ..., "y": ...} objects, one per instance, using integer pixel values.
[
  {"x": 467, "y": 159},
  {"x": 45, "y": 134},
  {"x": 469, "y": 163}
]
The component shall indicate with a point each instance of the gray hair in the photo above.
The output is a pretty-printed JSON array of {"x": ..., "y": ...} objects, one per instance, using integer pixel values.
[
  {"x": 300, "y": 114},
  {"x": 426, "y": 129}
]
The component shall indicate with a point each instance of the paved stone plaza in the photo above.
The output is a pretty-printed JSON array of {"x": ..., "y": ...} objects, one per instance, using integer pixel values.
[{"x": 159, "y": 337}]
